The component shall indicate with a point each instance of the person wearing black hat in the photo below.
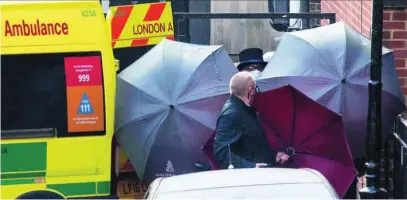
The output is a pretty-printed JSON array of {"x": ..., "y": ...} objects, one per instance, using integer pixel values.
[{"x": 251, "y": 59}]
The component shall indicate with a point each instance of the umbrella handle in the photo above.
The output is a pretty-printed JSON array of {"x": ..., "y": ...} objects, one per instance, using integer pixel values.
[
  {"x": 286, "y": 164},
  {"x": 289, "y": 151}
]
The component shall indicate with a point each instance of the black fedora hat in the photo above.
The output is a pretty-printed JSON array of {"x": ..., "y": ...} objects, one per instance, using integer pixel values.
[{"x": 250, "y": 56}]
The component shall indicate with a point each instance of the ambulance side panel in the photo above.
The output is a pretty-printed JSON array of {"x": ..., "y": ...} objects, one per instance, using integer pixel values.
[{"x": 71, "y": 165}]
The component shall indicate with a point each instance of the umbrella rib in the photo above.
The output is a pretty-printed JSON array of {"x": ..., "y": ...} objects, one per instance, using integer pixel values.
[
  {"x": 334, "y": 71},
  {"x": 358, "y": 71},
  {"x": 296, "y": 163},
  {"x": 139, "y": 119},
  {"x": 192, "y": 118},
  {"x": 293, "y": 119},
  {"x": 157, "y": 128},
  {"x": 318, "y": 100},
  {"x": 278, "y": 139},
  {"x": 317, "y": 131},
  {"x": 275, "y": 135},
  {"x": 188, "y": 87},
  {"x": 362, "y": 68},
  {"x": 166, "y": 75},
  {"x": 185, "y": 102},
  {"x": 323, "y": 95}
]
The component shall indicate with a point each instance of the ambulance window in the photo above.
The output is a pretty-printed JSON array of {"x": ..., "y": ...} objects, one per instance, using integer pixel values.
[{"x": 43, "y": 96}]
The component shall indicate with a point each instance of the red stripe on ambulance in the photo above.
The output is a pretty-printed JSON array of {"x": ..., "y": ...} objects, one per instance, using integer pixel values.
[
  {"x": 154, "y": 12},
  {"x": 119, "y": 20},
  {"x": 139, "y": 42}
]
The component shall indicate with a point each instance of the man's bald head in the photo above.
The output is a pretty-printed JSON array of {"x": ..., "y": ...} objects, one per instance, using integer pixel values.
[{"x": 240, "y": 83}]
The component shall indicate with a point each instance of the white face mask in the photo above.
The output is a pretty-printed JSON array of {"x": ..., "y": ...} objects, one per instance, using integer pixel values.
[{"x": 256, "y": 74}]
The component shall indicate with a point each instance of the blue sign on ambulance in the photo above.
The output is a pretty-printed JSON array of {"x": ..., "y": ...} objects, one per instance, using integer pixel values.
[{"x": 85, "y": 106}]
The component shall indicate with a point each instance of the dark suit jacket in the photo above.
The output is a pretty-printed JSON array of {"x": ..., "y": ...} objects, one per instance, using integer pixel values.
[{"x": 238, "y": 126}]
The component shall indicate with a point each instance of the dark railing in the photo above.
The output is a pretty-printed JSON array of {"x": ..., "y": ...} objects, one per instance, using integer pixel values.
[
  {"x": 181, "y": 19},
  {"x": 395, "y": 161}
]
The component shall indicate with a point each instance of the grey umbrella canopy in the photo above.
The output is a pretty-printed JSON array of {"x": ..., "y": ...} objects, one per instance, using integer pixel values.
[
  {"x": 331, "y": 64},
  {"x": 167, "y": 104}
]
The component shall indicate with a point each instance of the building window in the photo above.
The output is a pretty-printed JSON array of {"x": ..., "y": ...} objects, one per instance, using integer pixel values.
[{"x": 279, "y": 6}]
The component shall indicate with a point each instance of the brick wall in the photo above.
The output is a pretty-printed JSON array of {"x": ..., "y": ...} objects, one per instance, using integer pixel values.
[
  {"x": 395, "y": 37},
  {"x": 355, "y": 13}
]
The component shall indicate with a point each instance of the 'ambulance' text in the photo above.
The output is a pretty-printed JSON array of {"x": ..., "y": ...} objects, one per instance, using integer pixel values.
[{"x": 35, "y": 29}]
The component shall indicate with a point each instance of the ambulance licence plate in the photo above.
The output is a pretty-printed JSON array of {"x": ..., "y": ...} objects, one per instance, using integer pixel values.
[{"x": 131, "y": 189}]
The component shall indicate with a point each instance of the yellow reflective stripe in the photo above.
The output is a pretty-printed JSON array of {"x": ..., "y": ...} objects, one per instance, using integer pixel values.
[
  {"x": 83, "y": 189},
  {"x": 155, "y": 40},
  {"x": 123, "y": 43},
  {"x": 23, "y": 172},
  {"x": 23, "y": 175}
]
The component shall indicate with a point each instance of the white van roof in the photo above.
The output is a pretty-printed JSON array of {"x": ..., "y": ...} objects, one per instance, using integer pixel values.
[{"x": 234, "y": 177}]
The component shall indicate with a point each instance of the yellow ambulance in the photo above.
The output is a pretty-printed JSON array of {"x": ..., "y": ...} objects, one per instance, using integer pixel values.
[{"x": 57, "y": 100}]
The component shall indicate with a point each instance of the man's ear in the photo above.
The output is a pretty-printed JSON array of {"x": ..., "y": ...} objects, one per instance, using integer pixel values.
[{"x": 251, "y": 90}]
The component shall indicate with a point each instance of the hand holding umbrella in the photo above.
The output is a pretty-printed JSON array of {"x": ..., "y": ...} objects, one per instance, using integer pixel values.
[
  {"x": 282, "y": 158},
  {"x": 309, "y": 133}
]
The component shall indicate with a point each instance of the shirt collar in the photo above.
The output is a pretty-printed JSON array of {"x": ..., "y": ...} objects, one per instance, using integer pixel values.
[{"x": 242, "y": 104}]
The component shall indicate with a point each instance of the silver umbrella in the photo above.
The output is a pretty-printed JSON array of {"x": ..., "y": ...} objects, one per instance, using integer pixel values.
[{"x": 167, "y": 105}]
